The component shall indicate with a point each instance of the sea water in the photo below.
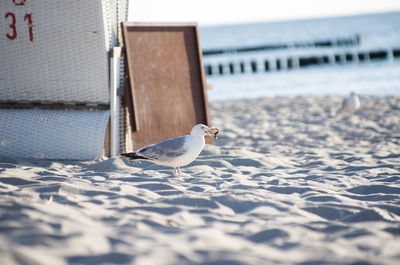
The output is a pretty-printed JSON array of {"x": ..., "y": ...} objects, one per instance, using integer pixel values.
[{"x": 370, "y": 77}]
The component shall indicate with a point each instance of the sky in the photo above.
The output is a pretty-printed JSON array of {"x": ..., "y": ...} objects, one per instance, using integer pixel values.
[{"x": 216, "y": 12}]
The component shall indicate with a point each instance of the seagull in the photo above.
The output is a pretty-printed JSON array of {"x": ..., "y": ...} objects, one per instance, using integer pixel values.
[
  {"x": 350, "y": 104},
  {"x": 176, "y": 152}
]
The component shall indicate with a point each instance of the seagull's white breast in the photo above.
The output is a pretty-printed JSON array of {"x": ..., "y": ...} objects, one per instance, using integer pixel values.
[
  {"x": 193, "y": 145},
  {"x": 351, "y": 104}
]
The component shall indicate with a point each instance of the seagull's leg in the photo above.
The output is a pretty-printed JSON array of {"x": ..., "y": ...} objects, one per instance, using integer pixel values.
[{"x": 177, "y": 171}]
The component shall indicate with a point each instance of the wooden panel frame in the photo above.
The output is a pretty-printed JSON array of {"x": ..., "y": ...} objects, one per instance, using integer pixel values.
[{"x": 166, "y": 74}]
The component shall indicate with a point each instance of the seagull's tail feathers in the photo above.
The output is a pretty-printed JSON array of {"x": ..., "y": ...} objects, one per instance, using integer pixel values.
[{"x": 133, "y": 155}]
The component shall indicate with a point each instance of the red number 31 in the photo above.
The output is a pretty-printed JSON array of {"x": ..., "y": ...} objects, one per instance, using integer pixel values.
[{"x": 12, "y": 26}]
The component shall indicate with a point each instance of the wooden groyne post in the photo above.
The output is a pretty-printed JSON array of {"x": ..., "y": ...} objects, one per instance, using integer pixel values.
[{"x": 301, "y": 61}]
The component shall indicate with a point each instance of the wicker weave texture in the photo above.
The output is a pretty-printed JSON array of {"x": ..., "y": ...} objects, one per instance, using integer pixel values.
[
  {"x": 52, "y": 134},
  {"x": 67, "y": 60}
]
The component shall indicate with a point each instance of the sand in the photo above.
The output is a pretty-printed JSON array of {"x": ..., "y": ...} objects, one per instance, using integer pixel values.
[{"x": 289, "y": 181}]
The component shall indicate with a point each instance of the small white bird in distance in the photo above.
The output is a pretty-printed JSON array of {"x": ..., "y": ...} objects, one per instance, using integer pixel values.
[
  {"x": 176, "y": 152},
  {"x": 350, "y": 104}
]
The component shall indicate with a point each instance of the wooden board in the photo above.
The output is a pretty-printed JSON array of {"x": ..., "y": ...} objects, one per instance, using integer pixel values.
[{"x": 167, "y": 94}]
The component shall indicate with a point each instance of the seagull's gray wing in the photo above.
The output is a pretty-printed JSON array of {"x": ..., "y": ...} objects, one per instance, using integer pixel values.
[
  {"x": 164, "y": 151},
  {"x": 345, "y": 104}
]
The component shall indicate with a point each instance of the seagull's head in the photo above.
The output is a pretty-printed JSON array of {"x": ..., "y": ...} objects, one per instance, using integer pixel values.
[{"x": 203, "y": 130}]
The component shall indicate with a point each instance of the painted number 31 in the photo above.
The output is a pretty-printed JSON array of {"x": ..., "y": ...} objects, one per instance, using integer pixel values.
[{"x": 12, "y": 34}]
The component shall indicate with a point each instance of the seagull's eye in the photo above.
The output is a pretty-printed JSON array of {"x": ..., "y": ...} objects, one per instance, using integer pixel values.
[{"x": 203, "y": 128}]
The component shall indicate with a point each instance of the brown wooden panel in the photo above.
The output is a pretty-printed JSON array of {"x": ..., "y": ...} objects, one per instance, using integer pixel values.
[{"x": 167, "y": 84}]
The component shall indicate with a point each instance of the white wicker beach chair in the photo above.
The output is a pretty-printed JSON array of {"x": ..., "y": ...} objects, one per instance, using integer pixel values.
[{"x": 55, "y": 55}]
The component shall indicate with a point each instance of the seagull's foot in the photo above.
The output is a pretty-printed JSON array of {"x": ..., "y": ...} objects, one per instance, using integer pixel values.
[{"x": 177, "y": 171}]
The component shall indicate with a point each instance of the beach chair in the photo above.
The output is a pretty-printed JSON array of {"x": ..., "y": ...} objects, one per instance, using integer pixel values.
[{"x": 55, "y": 68}]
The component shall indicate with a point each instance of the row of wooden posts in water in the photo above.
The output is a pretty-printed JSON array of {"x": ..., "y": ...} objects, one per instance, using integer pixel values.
[{"x": 291, "y": 62}]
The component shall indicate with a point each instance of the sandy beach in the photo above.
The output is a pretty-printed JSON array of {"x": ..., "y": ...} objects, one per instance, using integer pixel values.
[{"x": 289, "y": 181}]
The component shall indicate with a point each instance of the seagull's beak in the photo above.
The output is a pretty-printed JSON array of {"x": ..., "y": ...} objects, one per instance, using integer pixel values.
[{"x": 213, "y": 132}]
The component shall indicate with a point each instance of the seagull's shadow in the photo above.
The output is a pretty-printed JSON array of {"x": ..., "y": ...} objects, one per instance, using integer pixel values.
[
  {"x": 142, "y": 166},
  {"x": 146, "y": 168}
]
